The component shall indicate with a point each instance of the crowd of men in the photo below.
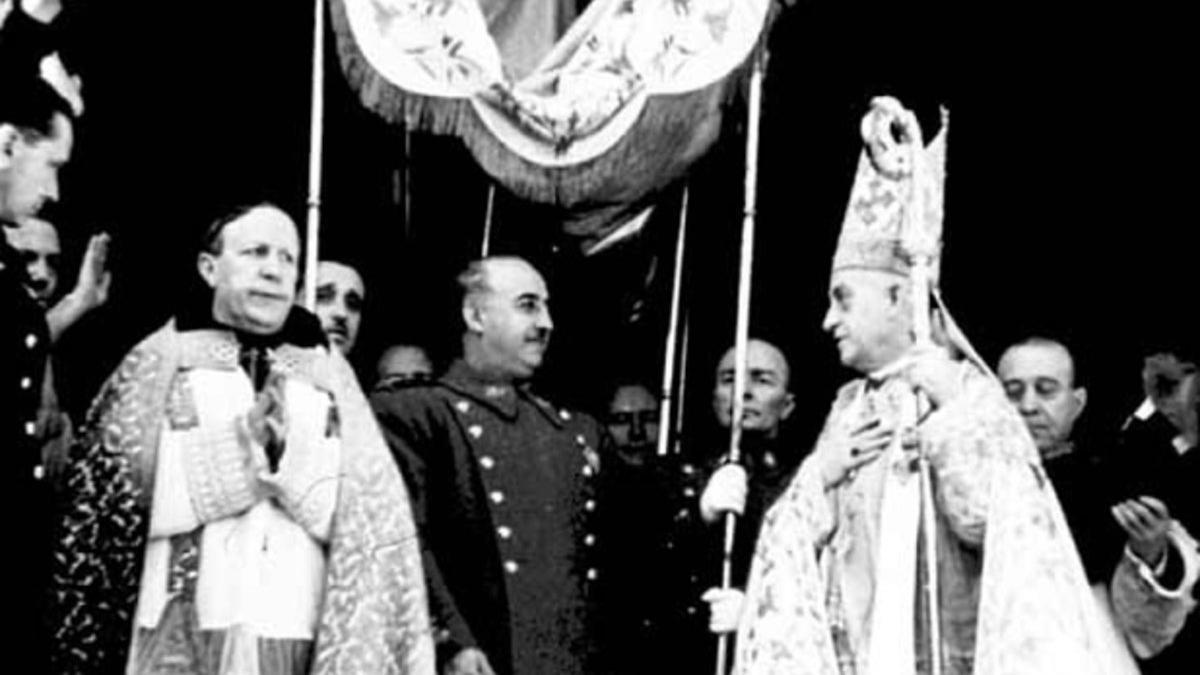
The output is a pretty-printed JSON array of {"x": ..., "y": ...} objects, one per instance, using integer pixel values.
[{"x": 234, "y": 502}]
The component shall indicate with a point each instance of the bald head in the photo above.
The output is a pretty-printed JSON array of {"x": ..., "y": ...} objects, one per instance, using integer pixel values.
[
  {"x": 768, "y": 400},
  {"x": 1038, "y": 375}
]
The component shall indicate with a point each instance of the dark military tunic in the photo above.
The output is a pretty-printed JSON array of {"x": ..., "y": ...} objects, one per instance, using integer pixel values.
[
  {"x": 502, "y": 485},
  {"x": 25, "y": 341}
]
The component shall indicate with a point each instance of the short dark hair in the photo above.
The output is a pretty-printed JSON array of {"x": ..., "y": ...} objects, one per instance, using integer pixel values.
[
  {"x": 30, "y": 105},
  {"x": 1078, "y": 372},
  {"x": 212, "y": 241}
]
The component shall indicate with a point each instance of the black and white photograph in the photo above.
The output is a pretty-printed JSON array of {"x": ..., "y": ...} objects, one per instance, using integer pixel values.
[{"x": 599, "y": 337}]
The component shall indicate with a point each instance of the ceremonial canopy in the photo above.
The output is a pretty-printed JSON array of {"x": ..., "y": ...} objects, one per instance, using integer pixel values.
[{"x": 596, "y": 122}]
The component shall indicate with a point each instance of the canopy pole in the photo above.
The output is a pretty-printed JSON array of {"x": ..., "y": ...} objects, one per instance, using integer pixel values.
[
  {"x": 742, "y": 329},
  {"x": 485, "y": 246},
  {"x": 315, "y": 149},
  {"x": 668, "y": 378}
]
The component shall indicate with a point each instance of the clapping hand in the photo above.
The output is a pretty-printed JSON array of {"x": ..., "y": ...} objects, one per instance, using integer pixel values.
[{"x": 1146, "y": 521}]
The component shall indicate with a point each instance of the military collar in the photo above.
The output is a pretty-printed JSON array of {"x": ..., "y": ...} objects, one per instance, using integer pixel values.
[{"x": 502, "y": 396}]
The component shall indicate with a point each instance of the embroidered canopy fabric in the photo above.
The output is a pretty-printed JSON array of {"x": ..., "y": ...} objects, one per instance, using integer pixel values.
[{"x": 611, "y": 113}]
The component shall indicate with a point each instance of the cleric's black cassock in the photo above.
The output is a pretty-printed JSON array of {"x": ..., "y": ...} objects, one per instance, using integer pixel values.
[{"x": 503, "y": 489}]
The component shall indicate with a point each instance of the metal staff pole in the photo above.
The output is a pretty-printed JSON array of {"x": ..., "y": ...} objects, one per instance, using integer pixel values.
[
  {"x": 677, "y": 446},
  {"x": 668, "y": 379},
  {"x": 922, "y": 245},
  {"x": 312, "y": 232},
  {"x": 485, "y": 245},
  {"x": 920, "y": 289},
  {"x": 742, "y": 330}
]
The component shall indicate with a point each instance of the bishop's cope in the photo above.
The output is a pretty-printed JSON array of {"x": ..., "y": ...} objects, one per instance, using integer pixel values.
[
  {"x": 229, "y": 479},
  {"x": 840, "y": 567},
  {"x": 503, "y": 486}
]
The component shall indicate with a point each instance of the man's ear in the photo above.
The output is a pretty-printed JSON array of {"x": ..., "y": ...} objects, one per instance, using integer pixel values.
[
  {"x": 1081, "y": 397},
  {"x": 788, "y": 406},
  {"x": 472, "y": 315},
  {"x": 206, "y": 264},
  {"x": 8, "y": 144}
]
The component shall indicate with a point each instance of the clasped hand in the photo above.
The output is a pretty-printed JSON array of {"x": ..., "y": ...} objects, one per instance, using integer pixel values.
[
  {"x": 853, "y": 446},
  {"x": 266, "y": 425}
]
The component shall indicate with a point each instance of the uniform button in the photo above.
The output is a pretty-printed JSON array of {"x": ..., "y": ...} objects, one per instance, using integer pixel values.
[
  {"x": 689, "y": 492},
  {"x": 475, "y": 430},
  {"x": 591, "y": 574},
  {"x": 691, "y": 610},
  {"x": 496, "y": 496},
  {"x": 26, "y": 382},
  {"x": 511, "y": 566},
  {"x": 589, "y": 505},
  {"x": 589, "y": 540},
  {"x": 588, "y": 470},
  {"x": 581, "y": 439},
  {"x": 487, "y": 462},
  {"x": 566, "y": 416},
  {"x": 504, "y": 531},
  {"x": 39, "y": 472},
  {"x": 30, "y": 341},
  {"x": 462, "y": 406},
  {"x": 30, "y": 428}
]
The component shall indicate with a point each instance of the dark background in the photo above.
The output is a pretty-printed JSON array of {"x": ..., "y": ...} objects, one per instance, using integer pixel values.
[{"x": 1071, "y": 150}]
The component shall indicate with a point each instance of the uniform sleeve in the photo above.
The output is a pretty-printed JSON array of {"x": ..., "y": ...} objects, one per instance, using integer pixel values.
[
  {"x": 410, "y": 439},
  {"x": 1151, "y": 608}
]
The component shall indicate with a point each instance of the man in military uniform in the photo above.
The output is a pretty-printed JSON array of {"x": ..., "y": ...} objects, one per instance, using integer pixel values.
[
  {"x": 749, "y": 487},
  {"x": 502, "y": 484},
  {"x": 653, "y": 567},
  {"x": 35, "y": 140}
]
